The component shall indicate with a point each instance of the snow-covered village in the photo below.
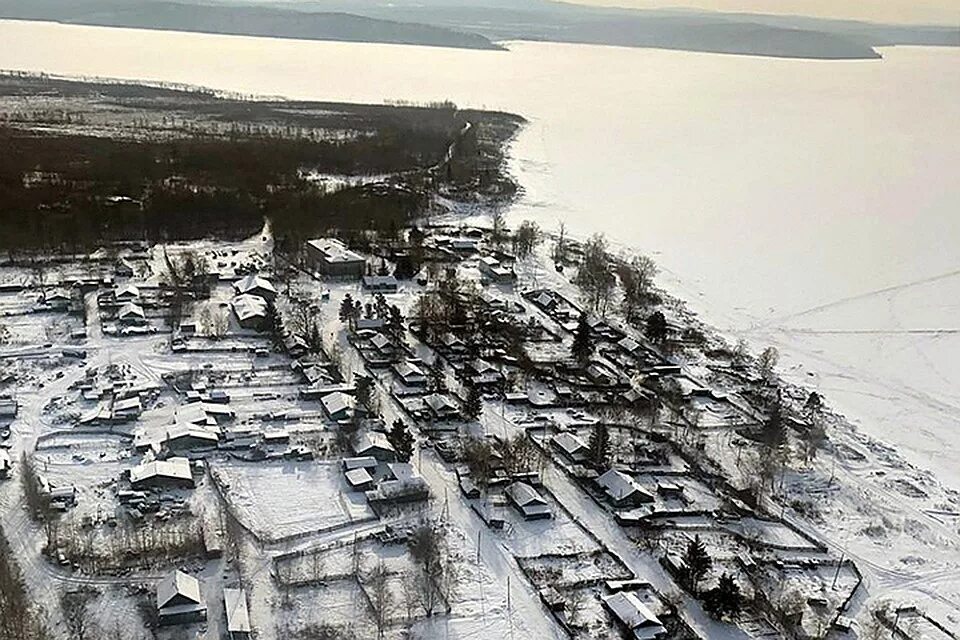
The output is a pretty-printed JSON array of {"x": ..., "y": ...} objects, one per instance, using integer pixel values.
[
  {"x": 451, "y": 428},
  {"x": 341, "y": 447}
]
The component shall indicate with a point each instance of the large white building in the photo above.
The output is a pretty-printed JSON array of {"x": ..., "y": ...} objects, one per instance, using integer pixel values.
[{"x": 330, "y": 257}]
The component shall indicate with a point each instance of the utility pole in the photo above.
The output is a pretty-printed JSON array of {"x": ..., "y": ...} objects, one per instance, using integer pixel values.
[
  {"x": 837, "y": 574},
  {"x": 479, "y": 533}
]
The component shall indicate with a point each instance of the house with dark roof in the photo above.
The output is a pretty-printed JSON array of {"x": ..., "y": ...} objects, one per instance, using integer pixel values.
[
  {"x": 410, "y": 374},
  {"x": 441, "y": 406},
  {"x": 380, "y": 284},
  {"x": 571, "y": 446}
]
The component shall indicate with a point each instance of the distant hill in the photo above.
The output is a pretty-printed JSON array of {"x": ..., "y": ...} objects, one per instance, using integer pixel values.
[
  {"x": 246, "y": 20},
  {"x": 479, "y": 24}
]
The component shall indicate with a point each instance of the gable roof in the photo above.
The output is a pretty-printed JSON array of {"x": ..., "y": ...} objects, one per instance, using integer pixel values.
[
  {"x": 440, "y": 403},
  {"x": 174, "y": 469},
  {"x": 408, "y": 370},
  {"x": 235, "y": 605},
  {"x": 248, "y": 306},
  {"x": 619, "y": 485},
  {"x": 127, "y": 291},
  {"x": 570, "y": 443},
  {"x": 372, "y": 440},
  {"x": 630, "y": 611},
  {"x": 131, "y": 309},
  {"x": 177, "y": 584},
  {"x": 253, "y": 283},
  {"x": 524, "y": 495},
  {"x": 336, "y": 402}
]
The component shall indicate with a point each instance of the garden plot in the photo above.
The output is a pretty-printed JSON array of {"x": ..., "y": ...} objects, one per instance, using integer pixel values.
[
  {"x": 338, "y": 604},
  {"x": 37, "y": 328},
  {"x": 343, "y": 560},
  {"x": 118, "y": 611},
  {"x": 814, "y": 590},
  {"x": 917, "y": 625},
  {"x": 556, "y": 535},
  {"x": 280, "y": 500},
  {"x": 769, "y": 533},
  {"x": 92, "y": 476},
  {"x": 560, "y": 571}
]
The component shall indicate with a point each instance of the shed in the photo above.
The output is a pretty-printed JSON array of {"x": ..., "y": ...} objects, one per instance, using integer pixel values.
[
  {"x": 359, "y": 479},
  {"x": 380, "y": 284},
  {"x": 238, "y": 620},
  {"x": 634, "y": 616}
]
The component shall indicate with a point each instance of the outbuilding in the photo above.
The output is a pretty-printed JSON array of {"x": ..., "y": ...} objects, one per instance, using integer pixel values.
[
  {"x": 381, "y": 284},
  {"x": 238, "y": 619},
  {"x": 634, "y": 616}
]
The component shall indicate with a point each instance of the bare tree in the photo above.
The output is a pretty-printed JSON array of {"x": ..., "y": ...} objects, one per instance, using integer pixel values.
[
  {"x": 74, "y": 605},
  {"x": 594, "y": 278},
  {"x": 559, "y": 253},
  {"x": 768, "y": 362},
  {"x": 436, "y": 574},
  {"x": 526, "y": 239},
  {"x": 382, "y": 605}
]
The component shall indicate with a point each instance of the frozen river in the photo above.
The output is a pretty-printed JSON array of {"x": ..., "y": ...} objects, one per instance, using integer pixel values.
[{"x": 813, "y": 205}]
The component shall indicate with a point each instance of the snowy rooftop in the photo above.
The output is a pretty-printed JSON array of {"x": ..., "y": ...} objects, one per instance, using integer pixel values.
[
  {"x": 177, "y": 588},
  {"x": 334, "y": 250}
]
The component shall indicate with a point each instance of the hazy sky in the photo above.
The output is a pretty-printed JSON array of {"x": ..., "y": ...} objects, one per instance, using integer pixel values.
[{"x": 895, "y": 11}]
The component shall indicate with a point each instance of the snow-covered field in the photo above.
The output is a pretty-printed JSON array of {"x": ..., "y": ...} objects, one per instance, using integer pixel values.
[{"x": 286, "y": 499}]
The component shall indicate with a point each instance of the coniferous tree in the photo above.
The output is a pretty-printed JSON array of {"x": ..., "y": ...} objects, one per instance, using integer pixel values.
[
  {"x": 346, "y": 309},
  {"x": 697, "y": 562},
  {"x": 473, "y": 405},
  {"x": 599, "y": 445},
  {"x": 402, "y": 440},
  {"x": 582, "y": 347},
  {"x": 725, "y": 599},
  {"x": 437, "y": 377},
  {"x": 656, "y": 329},
  {"x": 395, "y": 325}
]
